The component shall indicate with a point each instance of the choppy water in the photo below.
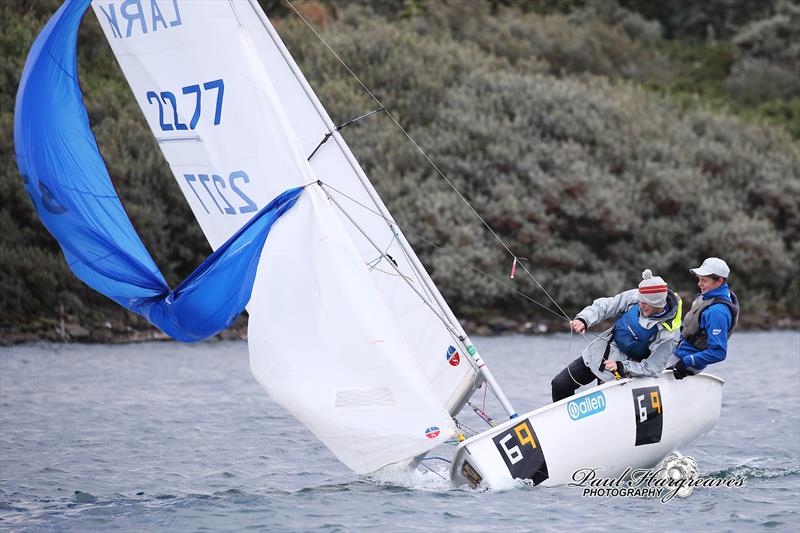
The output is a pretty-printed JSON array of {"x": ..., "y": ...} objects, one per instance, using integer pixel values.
[{"x": 174, "y": 437}]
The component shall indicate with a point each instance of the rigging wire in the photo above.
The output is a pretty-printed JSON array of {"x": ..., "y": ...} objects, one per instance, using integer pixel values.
[
  {"x": 374, "y": 267},
  {"x": 419, "y": 462},
  {"x": 483, "y": 415},
  {"x": 454, "y": 334},
  {"x": 427, "y": 158},
  {"x": 339, "y": 128},
  {"x": 391, "y": 263},
  {"x": 441, "y": 250},
  {"x": 435, "y": 457},
  {"x": 373, "y": 264},
  {"x": 465, "y": 429},
  {"x": 569, "y": 349}
]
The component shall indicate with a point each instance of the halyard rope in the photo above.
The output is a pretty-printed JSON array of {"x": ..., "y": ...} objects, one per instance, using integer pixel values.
[{"x": 441, "y": 250}]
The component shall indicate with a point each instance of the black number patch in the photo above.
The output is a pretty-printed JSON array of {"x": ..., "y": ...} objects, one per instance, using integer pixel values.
[
  {"x": 522, "y": 452},
  {"x": 649, "y": 415}
]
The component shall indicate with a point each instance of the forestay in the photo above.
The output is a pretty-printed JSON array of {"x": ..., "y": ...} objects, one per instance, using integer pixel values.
[{"x": 350, "y": 351}]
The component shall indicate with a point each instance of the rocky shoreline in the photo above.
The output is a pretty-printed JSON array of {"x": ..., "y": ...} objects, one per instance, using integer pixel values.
[{"x": 117, "y": 332}]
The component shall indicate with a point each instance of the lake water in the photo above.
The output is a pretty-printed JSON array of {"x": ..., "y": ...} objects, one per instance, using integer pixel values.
[{"x": 162, "y": 436}]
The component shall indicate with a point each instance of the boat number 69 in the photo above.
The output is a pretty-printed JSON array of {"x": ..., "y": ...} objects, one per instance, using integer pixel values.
[
  {"x": 655, "y": 405},
  {"x": 524, "y": 437}
]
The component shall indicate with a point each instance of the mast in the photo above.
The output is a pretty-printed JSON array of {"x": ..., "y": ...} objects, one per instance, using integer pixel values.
[{"x": 451, "y": 322}]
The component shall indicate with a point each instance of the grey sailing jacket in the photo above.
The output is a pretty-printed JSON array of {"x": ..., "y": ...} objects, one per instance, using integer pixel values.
[{"x": 661, "y": 346}]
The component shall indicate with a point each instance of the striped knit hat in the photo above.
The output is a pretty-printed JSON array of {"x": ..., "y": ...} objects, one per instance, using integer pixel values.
[{"x": 652, "y": 290}]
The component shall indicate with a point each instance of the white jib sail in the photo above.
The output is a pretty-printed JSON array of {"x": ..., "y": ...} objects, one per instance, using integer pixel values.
[
  {"x": 329, "y": 340},
  {"x": 429, "y": 340}
]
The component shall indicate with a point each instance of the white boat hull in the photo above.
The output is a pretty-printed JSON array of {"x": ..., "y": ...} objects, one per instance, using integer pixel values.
[{"x": 627, "y": 423}]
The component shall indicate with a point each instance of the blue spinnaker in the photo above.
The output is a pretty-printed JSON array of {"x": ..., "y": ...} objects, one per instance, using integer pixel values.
[{"x": 68, "y": 183}]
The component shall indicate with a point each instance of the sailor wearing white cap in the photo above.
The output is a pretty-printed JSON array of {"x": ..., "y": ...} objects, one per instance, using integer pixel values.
[
  {"x": 639, "y": 343},
  {"x": 710, "y": 322},
  {"x": 713, "y": 266}
]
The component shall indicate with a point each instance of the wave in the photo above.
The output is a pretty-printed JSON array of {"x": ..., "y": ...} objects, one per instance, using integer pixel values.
[{"x": 756, "y": 472}]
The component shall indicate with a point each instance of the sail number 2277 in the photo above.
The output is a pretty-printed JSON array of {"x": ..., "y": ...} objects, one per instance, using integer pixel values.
[
  {"x": 191, "y": 95},
  {"x": 225, "y": 188}
]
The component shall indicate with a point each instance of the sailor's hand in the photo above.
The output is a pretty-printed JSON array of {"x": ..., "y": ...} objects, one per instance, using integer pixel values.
[
  {"x": 616, "y": 368},
  {"x": 679, "y": 370},
  {"x": 578, "y": 326}
]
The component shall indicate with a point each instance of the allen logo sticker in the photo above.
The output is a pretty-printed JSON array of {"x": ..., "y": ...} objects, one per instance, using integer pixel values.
[{"x": 587, "y": 405}]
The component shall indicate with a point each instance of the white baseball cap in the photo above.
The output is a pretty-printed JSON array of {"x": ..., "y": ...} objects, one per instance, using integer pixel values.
[{"x": 712, "y": 265}]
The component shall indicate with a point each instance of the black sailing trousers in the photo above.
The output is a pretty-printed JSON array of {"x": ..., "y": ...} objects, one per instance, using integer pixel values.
[{"x": 570, "y": 379}]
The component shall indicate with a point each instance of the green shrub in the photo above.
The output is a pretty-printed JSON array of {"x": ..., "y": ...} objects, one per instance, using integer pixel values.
[
  {"x": 768, "y": 58},
  {"x": 588, "y": 177}
]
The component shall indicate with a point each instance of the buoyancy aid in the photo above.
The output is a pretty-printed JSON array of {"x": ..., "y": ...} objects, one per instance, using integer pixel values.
[
  {"x": 697, "y": 336},
  {"x": 633, "y": 339}
]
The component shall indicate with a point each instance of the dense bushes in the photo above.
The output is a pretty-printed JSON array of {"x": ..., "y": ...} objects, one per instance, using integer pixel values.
[
  {"x": 572, "y": 135},
  {"x": 590, "y": 180},
  {"x": 767, "y": 63},
  {"x": 593, "y": 182}
]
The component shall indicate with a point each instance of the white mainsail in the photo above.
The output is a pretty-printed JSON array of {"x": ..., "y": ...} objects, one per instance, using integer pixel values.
[{"x": 352, "y": 352}]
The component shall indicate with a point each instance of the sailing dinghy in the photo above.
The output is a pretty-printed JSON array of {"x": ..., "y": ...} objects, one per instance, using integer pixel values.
[
  {"x": 630, "y": 423},
  {"x": 347, "y": 330}
]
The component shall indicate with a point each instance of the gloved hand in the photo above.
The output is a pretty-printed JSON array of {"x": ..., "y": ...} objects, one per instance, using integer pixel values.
[
  {"x": 619, "y": 371},
  {"x": 615, "y": 367},
  {"x": 680, "y": 370}
]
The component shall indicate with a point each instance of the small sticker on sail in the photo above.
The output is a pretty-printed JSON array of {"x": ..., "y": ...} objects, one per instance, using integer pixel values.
[
  {"x": 452, "y": 356},
  {"x": 432, "y": 432}
]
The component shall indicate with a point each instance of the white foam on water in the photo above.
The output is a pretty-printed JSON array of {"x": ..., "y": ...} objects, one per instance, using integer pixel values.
[
  {"x": 431, "y": 475},
  {"x": 434, "y": 476}
]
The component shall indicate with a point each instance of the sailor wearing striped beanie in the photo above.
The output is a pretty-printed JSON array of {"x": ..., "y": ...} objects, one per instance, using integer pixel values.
[
  {"x": 653, "y": 290},
  {"x": 646, "y": 326}
]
